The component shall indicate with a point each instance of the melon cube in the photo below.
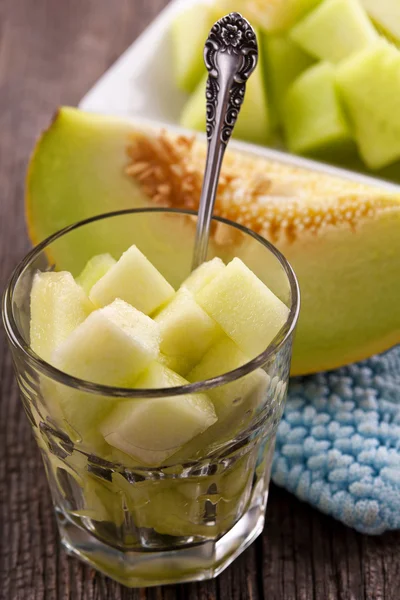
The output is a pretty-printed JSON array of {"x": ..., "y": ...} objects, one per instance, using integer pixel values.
[
  {"x": 278, "y": 15},
  {"x": 313, "y": 118},
  {"x": 246, "y": 309},
  {"x": 335, "y": 30},
  {"x": 235, "y": 396},
  {"x": 369, "y": 84},
  {"x": 284, "y": 61},
  {"x": 133, "y": 279},
  {"x": 152, "y": 429},
  {"x": 95, "y": 268},
  {"x": 58, "y": 306},
  {"x": 386, "y": 14},
  {"x": 111, "y": 347},
  {"x": 186, "y": 330},
  {"x": 203, "y": 275}
]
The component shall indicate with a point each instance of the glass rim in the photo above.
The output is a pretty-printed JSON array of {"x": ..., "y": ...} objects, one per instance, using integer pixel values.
[{"x": 18, "y": 342}]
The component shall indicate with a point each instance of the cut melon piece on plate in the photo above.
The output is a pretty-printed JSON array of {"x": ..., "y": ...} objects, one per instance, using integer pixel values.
[
  {"x": 136, "y": 281},
  {"x": 249, "y": 313},
  {"x": 335, "y": 30},
  {"x": 186, "y": 330},
  {"x": 369, "y": 85},
  {"x": 111, "y": 347},
  {"x": 284, "y": 62},
  {"x": 58, "y": 306},
  {"x": 314, "y": 121},
  {"x": 95, "y": 268},
  {"x": 252, "y": 123},
  {"x": 203, "y": 275},
  {"x": 277, "y": 15},
  {"x": 152, "y": 429},
  {"x": 340, "y": 235},
  {"x": 386, "y": 14}
]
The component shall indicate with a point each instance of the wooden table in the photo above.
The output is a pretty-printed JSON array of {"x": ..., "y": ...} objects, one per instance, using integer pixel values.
[{"x": 51, "y": 52}]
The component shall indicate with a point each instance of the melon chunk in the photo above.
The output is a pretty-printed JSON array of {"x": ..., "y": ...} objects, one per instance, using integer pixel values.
[
  {"x": 386, "y": 14},
  {"x": 152, "y": 429},
  {"x": 186, "y": 330},
  {"x": 246, "y": 309},
  {"x": 284, "y": 62},
  {"x": 203, "y": 275},
  {"x": 236, "y": 397},
  {"x": 335, "y": 30},
  {"x": 313, "y": 118},
  {"x": 111, "y": 347},
  {"x": 133, "y": 279},
  {"x": 369, "y": 84},
  {"x": 58, "y": 305},
  {"x": 278, "y": 15},
  {"x": 95, "y": 268}
]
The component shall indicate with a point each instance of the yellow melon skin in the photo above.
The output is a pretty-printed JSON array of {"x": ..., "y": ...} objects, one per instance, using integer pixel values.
[{"x": 341, "y": 237}]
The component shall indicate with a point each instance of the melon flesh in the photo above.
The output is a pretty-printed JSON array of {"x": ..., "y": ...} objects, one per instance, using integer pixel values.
[
  {"x": 152, "y": 429},
  {"x": 386, "y": 13},
  {"x": 241, "y": 395},
  {"x": 278, "y": 15},
  {"x": 111, "y": 347},
  {"x": 284, "y": 62},
  {"x": 186, "y": 330},
  {"x": 58, "y": 306},
  {"x": 369, "y": 85},
  {"x": 252, "y": 123},
  {"x": 335, "y": 30},
  {"x": 313, "y": 118},
  {"x": 249, "y": 313},
  {"x": 203, "y": 275},
  {"x": 95, "y": 268},
  {"x": 133, "y": 279}
]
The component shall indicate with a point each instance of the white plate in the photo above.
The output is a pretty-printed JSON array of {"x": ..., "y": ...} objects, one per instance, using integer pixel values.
[{"x": 140, "y": 85}]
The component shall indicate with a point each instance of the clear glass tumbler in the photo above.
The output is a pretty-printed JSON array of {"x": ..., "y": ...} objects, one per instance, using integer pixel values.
[{"x": 189, "y": 518}]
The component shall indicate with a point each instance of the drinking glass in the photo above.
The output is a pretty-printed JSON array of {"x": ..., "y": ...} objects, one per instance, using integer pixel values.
[{"x": 189, "y": 518}]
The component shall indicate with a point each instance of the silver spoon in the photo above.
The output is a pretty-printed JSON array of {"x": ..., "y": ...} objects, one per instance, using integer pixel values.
[{"x": 230, "y": 55}]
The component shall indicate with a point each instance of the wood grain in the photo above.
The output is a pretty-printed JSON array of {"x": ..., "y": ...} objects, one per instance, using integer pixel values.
[{"x": 51, "y": 52}]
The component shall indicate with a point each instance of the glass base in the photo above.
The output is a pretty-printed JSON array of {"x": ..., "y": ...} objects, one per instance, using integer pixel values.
[{"x": 150, "y": 568}]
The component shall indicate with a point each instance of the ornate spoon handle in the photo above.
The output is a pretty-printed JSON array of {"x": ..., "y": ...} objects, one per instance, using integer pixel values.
[{"x": 230, "y": 55}]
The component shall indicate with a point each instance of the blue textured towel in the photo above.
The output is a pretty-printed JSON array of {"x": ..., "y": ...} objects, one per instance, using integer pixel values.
[{"x": 338, "y": 445}]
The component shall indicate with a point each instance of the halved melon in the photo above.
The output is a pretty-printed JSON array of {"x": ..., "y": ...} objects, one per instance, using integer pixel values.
[{"x": 341, "y": 237}]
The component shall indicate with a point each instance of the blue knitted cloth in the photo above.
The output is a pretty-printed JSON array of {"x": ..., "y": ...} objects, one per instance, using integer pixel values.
[{"x": 338, "y": 445}]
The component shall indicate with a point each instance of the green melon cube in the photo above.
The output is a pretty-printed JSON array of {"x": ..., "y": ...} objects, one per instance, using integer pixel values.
[
  {"x": 203, "y": 275},
  {"x": 276, "y": 16},
  {"x": 186, "y": 330},
  {"x": 253, "y": 124},
  {"x": 133, "y": 279},
  {"x": 189, "y": 32},
  {"x": 94, "y": 270},
  {"x": 58, "y": 306},
  {"x": 284, "y": 62},
  {"x": 152, "y": 429},
  {"x": 246, "y": 309},
  {"x": 314, "y": 120},
  {"x": 386, "y": 14},
  {"x": 335, "y": 30},
  {"x": 369, "y": 84},
  {"x": 241, "y": 395},
  {"x": 111, "y": 347}
]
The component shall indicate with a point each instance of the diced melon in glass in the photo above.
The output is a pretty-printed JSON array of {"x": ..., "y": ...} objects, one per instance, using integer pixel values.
[
  {"x": 246, "y": 309},
  {"x": 369, "y": 84},
  {"x": 335, "y": 30},
  {"x": 101, "y": 501},
  {"x": 58, "y": 306},
  {"x": 203, "y": 275},
  {"x": 133, "y": 279},
  {"x": 235, "y": 396},
  {"x": 152, "y": 429},
  {"x": 186, "y": 330},
  {"x": 313, "y": 118},
  {"x": 94, "y": 270},
  {"x": 111, "y": 347}
]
